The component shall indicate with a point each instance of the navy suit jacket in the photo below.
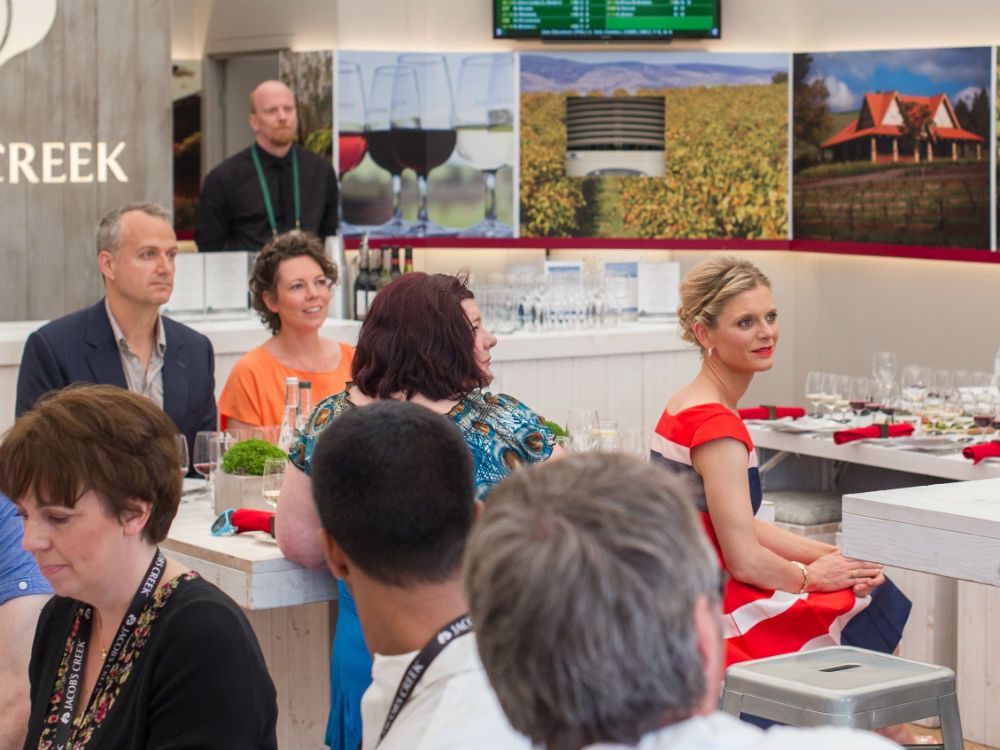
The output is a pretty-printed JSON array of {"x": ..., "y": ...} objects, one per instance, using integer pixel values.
[{"x": 81, "y": 348}]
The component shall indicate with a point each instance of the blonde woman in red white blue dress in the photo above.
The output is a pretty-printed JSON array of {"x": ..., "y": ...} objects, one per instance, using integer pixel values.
[{"x": 785, "y": 593}]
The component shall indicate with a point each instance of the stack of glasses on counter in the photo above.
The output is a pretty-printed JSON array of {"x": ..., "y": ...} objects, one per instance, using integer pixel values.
[
  {"x": 933, "y": 400},
  {"x": 555, "y": 301}
]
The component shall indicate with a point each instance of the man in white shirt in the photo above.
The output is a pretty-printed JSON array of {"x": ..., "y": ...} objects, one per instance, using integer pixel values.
[
  {"x": 596, "y": 597},
  {"x": 393, "y": 484}
]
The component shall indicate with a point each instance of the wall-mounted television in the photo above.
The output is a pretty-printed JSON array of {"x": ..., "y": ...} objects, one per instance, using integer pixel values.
[{"x": 606, "y": 20}]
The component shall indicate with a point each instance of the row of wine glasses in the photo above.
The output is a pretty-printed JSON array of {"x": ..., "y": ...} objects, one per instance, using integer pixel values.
[
  {"x": 835, "y": 393},
  {"x": 587, "y": 432},
  {"x": 941, "y": 399},
  {"x": 408, "y": 120}
]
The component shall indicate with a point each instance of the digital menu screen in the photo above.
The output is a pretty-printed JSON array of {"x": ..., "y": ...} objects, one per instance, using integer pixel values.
[{"x": 605, "y": 19}]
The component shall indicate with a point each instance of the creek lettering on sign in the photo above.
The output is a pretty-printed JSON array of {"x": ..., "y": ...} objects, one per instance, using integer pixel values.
[{"x": 55, "y": 162}]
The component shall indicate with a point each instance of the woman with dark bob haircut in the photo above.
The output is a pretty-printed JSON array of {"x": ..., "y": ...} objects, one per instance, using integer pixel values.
[
  {"x": 290, "y": 289},
  {"x": 134, "y": 650},
  {"x": 422, "y": 341}
]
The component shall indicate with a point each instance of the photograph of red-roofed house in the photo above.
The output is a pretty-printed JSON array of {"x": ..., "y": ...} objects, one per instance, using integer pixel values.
[
  {"x": 893, "y": 127},
  {"x": 890, "y": 147}
]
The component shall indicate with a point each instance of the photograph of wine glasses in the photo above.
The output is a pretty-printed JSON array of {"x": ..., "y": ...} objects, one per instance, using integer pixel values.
[
  {"x": 351, "y": 143},
  {"x": 436, "y": 151}
]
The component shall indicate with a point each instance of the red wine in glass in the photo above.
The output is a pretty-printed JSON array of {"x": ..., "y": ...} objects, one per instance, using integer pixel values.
[
  {"x": 203, "y": 469},
  {"x": 380, "y": 150},
  {"x": 858, "y": 406},
  {"x": 352, "y": 146},
  {"x": 982, "y": 420},
  {"x": 422, "y": 149}
]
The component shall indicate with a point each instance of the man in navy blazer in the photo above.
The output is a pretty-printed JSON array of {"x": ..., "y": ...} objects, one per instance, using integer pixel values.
[{"x": 123, "y": 340}]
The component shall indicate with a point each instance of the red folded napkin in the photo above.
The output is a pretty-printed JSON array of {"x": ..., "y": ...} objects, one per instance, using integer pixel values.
[
  {"x": 874, "y": 431},
  {"x": 772, "y": 412},
  {"x": 249, "y": 519},
  {"x": 982, "y": 450}
]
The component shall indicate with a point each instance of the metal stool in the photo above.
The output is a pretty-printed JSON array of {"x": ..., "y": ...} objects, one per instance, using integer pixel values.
[{"x": 844, "y": 686}]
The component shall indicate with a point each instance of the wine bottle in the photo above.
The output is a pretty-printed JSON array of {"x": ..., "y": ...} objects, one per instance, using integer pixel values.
[
  {"x": 408, "y": 260},
  {"x": 305, "y": 403},
  {"x": 385, "y": 276},
  {"x": 361, "y": 281},
  {"x": 290, "y": 419},
  {"x": 395, "y": 262}
]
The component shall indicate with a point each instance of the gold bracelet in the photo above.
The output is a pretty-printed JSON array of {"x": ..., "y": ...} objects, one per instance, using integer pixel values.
[{"x": 805, "y": 574}]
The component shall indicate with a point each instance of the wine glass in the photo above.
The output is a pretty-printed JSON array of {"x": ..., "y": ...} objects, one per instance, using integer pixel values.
[
  {"x": 484, "y": 119},
  {"x": 422, "y": 124},
  {"x": 609, "y": 438},
  {"x": 582, "y": 426},
  {"x": 984, "y": 410},
  {"x": 272, "y": 478},
  {"x": 859, "y": 394},
  {"x": 884, "y": 369},
  {"x": 351, "y": 143},
  {"x": 914, "y": 384},
  {"x": 182, "y": 453},
  {"x": 379, "y": 149},
  {"x": 633, "y": 442},
  {"x": 841, "y": 395},
  {"x": 814, "y": 391},
  {"x": 205, "y": 453}
]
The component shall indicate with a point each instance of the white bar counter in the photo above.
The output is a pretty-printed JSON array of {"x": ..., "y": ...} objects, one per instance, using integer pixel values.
[
  {"x": 881, "y": 454},
  {"x": 289, "y": 607},
  {"x": 950, "y": 530},
  {"x": 626, "y": 373}
]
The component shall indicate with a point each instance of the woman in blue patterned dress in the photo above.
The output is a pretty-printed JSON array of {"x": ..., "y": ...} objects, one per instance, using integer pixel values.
[{"x": 423, "y": 340}]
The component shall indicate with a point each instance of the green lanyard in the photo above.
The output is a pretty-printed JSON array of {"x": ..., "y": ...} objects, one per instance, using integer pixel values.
[{"x": 268, "y": 206}]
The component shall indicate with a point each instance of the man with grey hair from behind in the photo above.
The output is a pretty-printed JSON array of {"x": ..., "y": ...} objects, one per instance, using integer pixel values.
[{"x": 595, "y": 598}]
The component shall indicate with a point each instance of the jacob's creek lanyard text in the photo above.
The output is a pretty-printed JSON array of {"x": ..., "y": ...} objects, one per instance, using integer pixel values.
[
  {"x": 458, "y": 627},
  {"x": 64, "y": 725}
]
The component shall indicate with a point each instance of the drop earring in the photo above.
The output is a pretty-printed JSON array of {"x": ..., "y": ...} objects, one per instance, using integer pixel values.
[{"x": 709, "y": 352}]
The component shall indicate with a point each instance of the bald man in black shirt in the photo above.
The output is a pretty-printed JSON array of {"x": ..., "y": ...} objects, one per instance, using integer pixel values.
[{"x": 272, "y": 187}]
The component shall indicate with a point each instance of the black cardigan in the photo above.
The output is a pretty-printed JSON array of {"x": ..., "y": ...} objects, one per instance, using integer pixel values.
[{"x": 199, "y": 683}]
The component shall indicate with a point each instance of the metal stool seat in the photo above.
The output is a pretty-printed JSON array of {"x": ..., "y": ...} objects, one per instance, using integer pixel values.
[{"x": 844, "y": 686}]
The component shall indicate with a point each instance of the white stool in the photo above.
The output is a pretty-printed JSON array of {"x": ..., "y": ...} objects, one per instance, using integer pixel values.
[{"x": 844, "y": 686}]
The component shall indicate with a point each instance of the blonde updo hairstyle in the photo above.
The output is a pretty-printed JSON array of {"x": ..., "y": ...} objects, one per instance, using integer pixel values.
[{"x": 709, "y": 286}]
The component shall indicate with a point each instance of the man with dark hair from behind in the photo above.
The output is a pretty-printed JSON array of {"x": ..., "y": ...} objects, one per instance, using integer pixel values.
[
  {"x": 393, "y": 484},
  {"x": 596, "y": 601}
]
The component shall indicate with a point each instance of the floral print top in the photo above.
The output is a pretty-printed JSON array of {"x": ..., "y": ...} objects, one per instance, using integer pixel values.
[
  {"x": 501, "y": 432},
  {"x": 103, "y": 699}
]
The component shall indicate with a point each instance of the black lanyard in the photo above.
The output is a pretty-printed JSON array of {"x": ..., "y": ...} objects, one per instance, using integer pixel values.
[
  {"x": 268, "y": 206},
  {"x": 78, "y": 649},
  {"x": 458, "y": 627}
]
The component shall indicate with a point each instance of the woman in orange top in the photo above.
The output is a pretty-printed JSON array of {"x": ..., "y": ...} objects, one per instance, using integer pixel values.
[{"x": 290, "y": 289}]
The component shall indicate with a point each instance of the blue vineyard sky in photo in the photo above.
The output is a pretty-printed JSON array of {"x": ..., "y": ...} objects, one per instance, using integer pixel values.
[{"x": 957, "y": 72}]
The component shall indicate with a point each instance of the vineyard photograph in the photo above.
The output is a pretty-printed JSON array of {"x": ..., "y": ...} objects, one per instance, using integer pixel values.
[
  {"x": 892, "y": 147},
  {"x": 722, "y": 169}
]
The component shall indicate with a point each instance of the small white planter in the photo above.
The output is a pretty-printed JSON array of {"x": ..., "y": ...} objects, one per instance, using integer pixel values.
[{"x": 236, "y": 491}]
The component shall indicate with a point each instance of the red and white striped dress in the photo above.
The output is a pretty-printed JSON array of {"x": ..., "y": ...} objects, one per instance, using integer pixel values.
[{"x": 765, "y": 622}]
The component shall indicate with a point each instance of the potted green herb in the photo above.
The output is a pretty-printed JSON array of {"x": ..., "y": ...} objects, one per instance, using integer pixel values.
[{"x": 238, "y": 482}]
